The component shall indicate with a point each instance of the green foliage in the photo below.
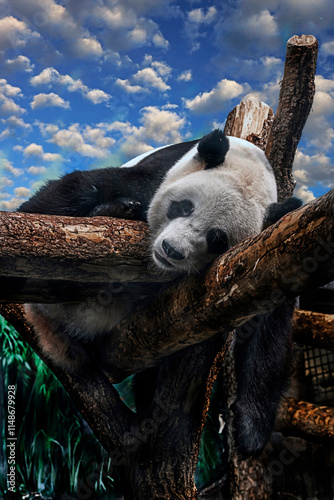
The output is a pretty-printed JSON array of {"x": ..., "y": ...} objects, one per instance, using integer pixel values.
[
  {"x": 56, "y": 452},
  {"x": 212, "y": 458}
]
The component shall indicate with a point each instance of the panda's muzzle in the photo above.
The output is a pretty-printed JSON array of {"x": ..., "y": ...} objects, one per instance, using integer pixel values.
[{"x": 171, "y": 252}]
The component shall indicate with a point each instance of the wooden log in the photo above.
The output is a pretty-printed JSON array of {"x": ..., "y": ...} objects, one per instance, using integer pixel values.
[
  {"x": 314, "y": 329},
  {"x": 306, "y": 420},
  {"x": 82, "y": 249},
  {"x": 250, "y": 120},
  {"x": 280, "y": 259},
  {"x": 295, "y": 102}
]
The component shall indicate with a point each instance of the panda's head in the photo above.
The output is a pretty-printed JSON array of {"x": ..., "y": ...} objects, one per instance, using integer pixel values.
[{"x": 212, "y": 198}]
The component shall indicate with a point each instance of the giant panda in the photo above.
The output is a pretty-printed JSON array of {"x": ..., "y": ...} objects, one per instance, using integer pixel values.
[{"x": 199, "y": 198}]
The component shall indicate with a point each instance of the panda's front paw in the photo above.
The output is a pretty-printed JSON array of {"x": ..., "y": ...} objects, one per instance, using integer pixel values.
[
  {"x": 251, "y": 429},
  {"x": 122, "y": 208},
  {"x": 130, "y": 207}
]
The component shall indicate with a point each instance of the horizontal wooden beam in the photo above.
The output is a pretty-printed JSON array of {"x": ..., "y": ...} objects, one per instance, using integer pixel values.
[
  {"x": 314, "y": 329},
  {"x": 306, "y": 420}
]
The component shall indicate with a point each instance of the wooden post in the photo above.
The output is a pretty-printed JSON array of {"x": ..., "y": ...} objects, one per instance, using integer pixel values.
[{"x": 295, "y": 102}]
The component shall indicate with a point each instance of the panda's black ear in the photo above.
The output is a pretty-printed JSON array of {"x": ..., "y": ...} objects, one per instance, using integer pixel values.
[{"x": 212, "y": 148}]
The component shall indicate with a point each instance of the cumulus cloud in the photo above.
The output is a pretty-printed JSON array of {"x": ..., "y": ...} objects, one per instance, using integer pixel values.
[
  {"x": 327, "y": 48},
  {"x": 87, "y": 141},
  {"x": 22, "y": 192},
  {"x": 14, "y": 34},
  {"x": 12, "y": 204},
  {"x": 123, "y": 29},
  {"x": 127, "y": 87},
  {"x": 97, "y": 96},
  {"x": 7, "y": 166},
  {"x": 211, "y": 102},
  {"x": 5, "y": 182},
  {"x": 149, "y": 77},
  {"x": 185, "y": 76},
  {"x": 318, "y": 130},
  {"x": 19, "y": 63},
  {"x": 33, "y": 170},
  {"x": 50, "y": 76},
  {"x": 310, "y": 170},
  {"x": 200, "y": 17},
  {"x": 49, "y": 100},
  {"x": 36, "y": 150},
  {"x": 304, "y": 193},
  {"x": 7, "y": 105},
  {"x": 159, "y": 126},
  {"x": 12, "y": 124},
  {"x": 54, "y": 22}
]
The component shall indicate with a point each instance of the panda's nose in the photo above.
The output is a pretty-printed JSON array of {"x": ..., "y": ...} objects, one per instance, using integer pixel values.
[{"x": 171, "y": 252}]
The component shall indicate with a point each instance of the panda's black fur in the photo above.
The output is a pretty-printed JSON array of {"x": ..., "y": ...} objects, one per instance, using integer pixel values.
[{"x": 262, "y": 345}]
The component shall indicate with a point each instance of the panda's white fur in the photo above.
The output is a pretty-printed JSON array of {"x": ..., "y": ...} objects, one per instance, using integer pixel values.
[{"x": 233, "y": 197}]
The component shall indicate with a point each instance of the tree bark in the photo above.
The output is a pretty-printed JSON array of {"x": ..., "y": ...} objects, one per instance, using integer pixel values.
[
  {"x": 83, "y": 249},
  {"x": 250, "y": 120},
  {"x": 301, "y": 419},
  {"x": 315, "y": 329},
  {"x": 295, "y": 102}
]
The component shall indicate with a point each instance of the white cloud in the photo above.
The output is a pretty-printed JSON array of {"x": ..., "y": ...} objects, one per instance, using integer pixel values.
[
  {"x": 49, "y": 100},
  {"x": 20, "y": 63},
  {"x": 211, "y": 102},
  {"x": 185, "y": 76},
  {"x": 123, "y": 29},
  {"x": 149, "y": 77},
  {"x": 37, "y": 150},
  {"x": 5, "y": 182},
  {"x": 327, "y": 48},
  {"x": 87, "y": 141},
  {"x": 51, "y": 76},
  {"x": 7, "y": 166},
  {"x": 127, "y": 87},
  {"x": 14, "y": 34},
  {"x": 54, "y": 22},
  {"x": 12, "y": 204},
  {"x": 263, "y": 22},
  {"x": 13, "y": 123},
  {"x": 33, "y": 150},
  {"x": 88, "y": 47},
  {"x": 304, "y": 193},
  {"x": 97, "y": 96},
  {"x": 160, "y": 126},
  {"x": 198, "y": 16},
  {"x": 22, "y": 192},
  {"x": 160, "y": 41},
  {"x": 36, "y": 170},
  {"x": 8, "y": 106},
  {"x": 310, "y": 170},
  {"x": 324, "y": 84}
]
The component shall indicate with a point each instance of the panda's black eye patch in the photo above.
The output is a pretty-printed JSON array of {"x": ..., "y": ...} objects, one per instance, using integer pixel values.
[
  {"x": 217, "y": 241},
  {"x": 181, "y": 208}
]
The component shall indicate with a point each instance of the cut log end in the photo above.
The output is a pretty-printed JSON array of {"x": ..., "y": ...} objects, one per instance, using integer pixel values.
[{"x": 302, "y": 41}]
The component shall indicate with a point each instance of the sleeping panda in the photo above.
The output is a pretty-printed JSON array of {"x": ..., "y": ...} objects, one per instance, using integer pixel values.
[{"x": 199, "y": 198}]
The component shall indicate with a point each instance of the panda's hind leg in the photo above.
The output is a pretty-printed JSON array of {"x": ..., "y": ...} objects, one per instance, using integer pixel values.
[
  {"x": 262, "y": 354},
  {"x": 56, "y": 344}
]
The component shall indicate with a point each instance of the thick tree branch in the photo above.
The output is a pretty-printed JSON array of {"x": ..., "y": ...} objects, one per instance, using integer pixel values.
[
  {"x": 295, "y": 101},
  {"x": 287, "y": 258},
  {"x": 315, "y": 329},
  {"x": 298, "y": 418}
]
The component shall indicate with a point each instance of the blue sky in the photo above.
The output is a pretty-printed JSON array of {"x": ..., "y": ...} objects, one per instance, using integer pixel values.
[{"x": 87, "y": 83}]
